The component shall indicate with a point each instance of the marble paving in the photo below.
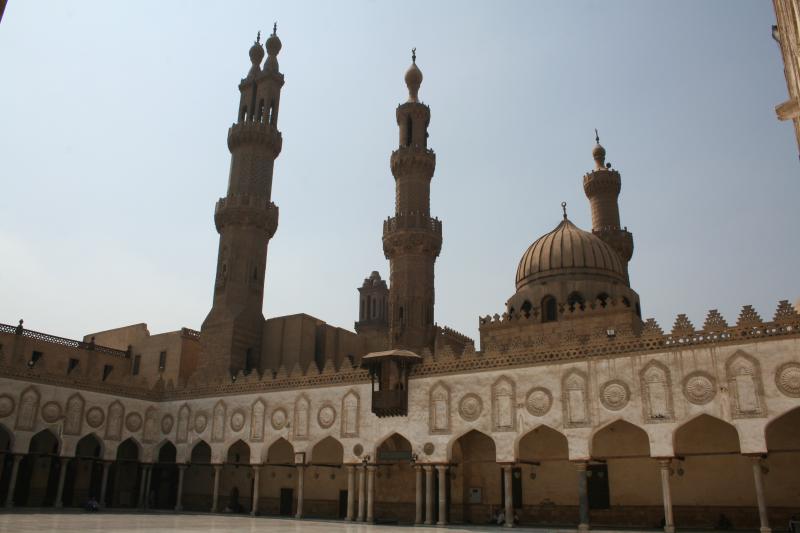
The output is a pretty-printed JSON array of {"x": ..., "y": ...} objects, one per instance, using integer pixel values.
[{"x": 190, "y": 523}]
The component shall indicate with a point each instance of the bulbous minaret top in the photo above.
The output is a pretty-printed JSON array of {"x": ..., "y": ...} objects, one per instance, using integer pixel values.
[
  {"x": 598, "y": 153},
  {"x": 273, "y": 48},
  {"x": 256, "y": 55},
  {"x": 413, "y": 78}
]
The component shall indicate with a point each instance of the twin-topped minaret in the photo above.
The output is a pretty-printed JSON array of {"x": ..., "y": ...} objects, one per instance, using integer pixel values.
[
  {"x": 412, "y": 239},
  {"x": 246, "y": 220}
]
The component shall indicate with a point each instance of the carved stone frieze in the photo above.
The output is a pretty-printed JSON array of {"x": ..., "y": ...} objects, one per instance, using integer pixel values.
[
  {"x": 575, "y": 399},
  {"x": 182, "y": 433},
  {"x": 699, "y": 387},
  {"x": 257, "y": 413},
  {"x": 615, "y": 395},
  {"x": 787, "y": 379},
  {"x": 73, "y": 415},
  {"x": 470, "y": 407},
  {"x": 200, "y": 422},
  {"x": 351, "y": 407},
  {"x": 745, "y": 386},
  {"x": 116, "y": 415},
  {"x": 7, "y": 405},
  {"x": 504, "y": 404},
  {"x": 167, "y": 422},
  {"x": 279, "y": 418},
  {"x": 151, "y": 429},
  {"x": 539, "y": 401},
  {"x": 218, "y": 422},
  {"x": 95, "y": 417},
  {"x": 51, "y": 412},
  {"x": 439, "y": 409},
  {"x": 237, "y": 420},
  {"x": 302, "y": 409},
  {"x": 656, "y": 386},
  {"x": 326, "y": 416},
  {"x": 133, "y": 422}
]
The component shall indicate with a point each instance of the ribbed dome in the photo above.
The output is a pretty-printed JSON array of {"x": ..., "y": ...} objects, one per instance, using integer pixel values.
[{"x": 565, "y": 251}]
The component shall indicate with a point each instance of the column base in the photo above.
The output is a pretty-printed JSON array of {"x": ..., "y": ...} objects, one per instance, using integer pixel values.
[
  {"x": 178, "y": 508},
  {"x": 440, "y": 523},
  {"x": 253, "y": 513},
  {"x": 508, "y": 525},
  {"x": 583, "y": 528},
  {"x": 298, "y": 517},
  {"x": 428, "y": 523},
  {"x": 669, "y": 529},
  {"x": 765, "y": 530}
]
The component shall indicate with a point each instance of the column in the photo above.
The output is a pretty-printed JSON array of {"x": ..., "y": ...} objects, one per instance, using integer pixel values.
[
  {"x": 442, "y": 469},
  {"x": 362, "y": 492},
  {"x": 418, "y": 513},
  {"x": 583, "y": 497},
  {"x": 509, "y": 494},
  {"x": 762, "y": 502},
  {"x": 669, "y": 524},
  {"x": 179, "y": 497},
  {"x": 428, "y": 494},
  {"x": 62, "y": 474},
  {"x": 215, "y": 497},
  {"x": 12, "y": 483},
  {"x": 147, "y": 486},
  {"x": 351, "y": 492},
  {"x": 103, "y": 485},
  {"x": 142, "y": 484},
  {"x": 256, "y": 481},
  {"x": 371, "y": 493},
  {"x": 300, "y": 480}
]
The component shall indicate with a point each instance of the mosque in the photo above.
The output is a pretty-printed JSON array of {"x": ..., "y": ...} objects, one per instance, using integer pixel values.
[{"x": 576, "y": 412}]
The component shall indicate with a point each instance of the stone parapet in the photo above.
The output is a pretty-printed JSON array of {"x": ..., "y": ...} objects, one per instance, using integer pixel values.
[
  {"x": 413, "y": 160},
  {"x": 263, "y": 135},
  {"x": 247, "y": 210}
]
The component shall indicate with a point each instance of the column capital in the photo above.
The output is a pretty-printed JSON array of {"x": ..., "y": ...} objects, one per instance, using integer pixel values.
[
  {"x": 442, "y": 467},
  {"x": 350, "y": 468},
  {"x": 256, "y": 467},
  {"x": 427, "y": 467},
  {"x": 581, "y": 465},
  {"x": 182, "y": 466},
  {"x": 217, "y": 466}
]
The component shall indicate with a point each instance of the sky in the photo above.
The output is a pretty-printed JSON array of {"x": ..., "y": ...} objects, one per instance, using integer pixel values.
[{"x": 114, "y": 116}]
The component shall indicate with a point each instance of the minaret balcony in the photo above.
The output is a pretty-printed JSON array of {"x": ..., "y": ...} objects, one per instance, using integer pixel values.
[
  {"x": 255, "y": 133},
  {"x": 412, "y": 233},
  {"x": 602, "y": 181},
  {"x": 413, "y": 160},
  {"x": 247, "y": 210}
]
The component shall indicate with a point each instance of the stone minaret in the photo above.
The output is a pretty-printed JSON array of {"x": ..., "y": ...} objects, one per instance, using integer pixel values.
[
  {"x": 412, "y": 239},
  {"x": 246, "y": 220},
  {"x": 602, "y": 186}
]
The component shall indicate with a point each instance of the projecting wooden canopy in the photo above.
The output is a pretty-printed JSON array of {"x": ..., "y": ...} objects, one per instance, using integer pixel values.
[
  {"x": 400, "y": 355},
  {"x": 389, "y": 373}
]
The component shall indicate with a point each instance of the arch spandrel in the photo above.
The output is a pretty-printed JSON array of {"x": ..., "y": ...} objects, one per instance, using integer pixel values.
[
  {"x": 619, "y": 438},
  {"x": 541, "y": 442}
]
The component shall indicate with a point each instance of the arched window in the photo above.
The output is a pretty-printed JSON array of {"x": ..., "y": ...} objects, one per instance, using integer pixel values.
[
  {"x": 526, "y": 308},
  {"x": 409, "y": 130},
  {"x": 575, "y": 300},
  {"x": 243, "y": 114},
  {"x": 549, "y": 312},
  {"x": 511, "y": 312},
  {"x": 261, "y": 110},
  {"x": 271, "y": 119},
  {"x": 626, "y": 302},
  {"x": 402, "y": 319},
  {"x": 603, "y": 297},
  {"x": 638, "y": 310}
]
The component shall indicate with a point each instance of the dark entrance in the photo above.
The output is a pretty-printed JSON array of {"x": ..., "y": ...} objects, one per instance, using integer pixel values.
[
  {"x": 598, "y": 486},
  {"x": 342, "y": 503},
  {"x": 287, "y": 498}
]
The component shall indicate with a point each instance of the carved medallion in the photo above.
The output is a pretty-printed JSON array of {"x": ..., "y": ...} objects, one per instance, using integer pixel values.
[
  {"x": 358, "y": 449},
  {"x": 200, "y": 422},
  {"x": 237, "y": 420},
  {"x": 539, "y": 401},
  {"x": 278, "y": 418},
  {"x": 7, "y": 405},
  {"x": 428, "y": 448},
  {"x": 699, "y": 388},
  {"x": 167, "y": 421},
  {"x": 787, "y": 378},
  {"x": 470, "y": 407},
  {"x": 326, "y": 416},
  {"x": 133, "y": 422},
  {"x": 95, "y": 417},
  {"x": 615, "y": 394},
  {"x": 51, "y": 412}
]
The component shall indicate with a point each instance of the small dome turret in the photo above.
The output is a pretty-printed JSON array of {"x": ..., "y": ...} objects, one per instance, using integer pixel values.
[
  {"x": 598, "y": 153},
  {"x": 256, "y": 55},
  {"x": 413, "y": 78},
  {"x": 273, "y": 48}
]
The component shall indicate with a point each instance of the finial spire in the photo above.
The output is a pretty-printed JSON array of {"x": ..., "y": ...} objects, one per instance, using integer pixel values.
[
  {"x": 564, "y": 209},
  {"x": 414, "y": 55},
  {"x": 596, "y": 136},
  {"x": 275, "y": 27}
]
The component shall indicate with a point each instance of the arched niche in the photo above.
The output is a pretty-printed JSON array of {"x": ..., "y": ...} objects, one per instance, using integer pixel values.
[
  {"x": 393, "y": 449},
  {"x": 44, "y": 443},
  {"x": 128, "y": 450},
  {"x": 238, "y": 453},
  {"x": 89, "y": 447},
  {"x": 201, "y": 453},
  {"x": 543, "y": 444},
  {"x": 280, "y": 452},
  {"x": 167, "y": 453},
  {"x": 706, "y": 434}
]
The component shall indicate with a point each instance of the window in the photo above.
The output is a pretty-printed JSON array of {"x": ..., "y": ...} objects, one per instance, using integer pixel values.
[
  {"x": 107, "y": 371},
  {"x": 248, "y": 361},
  {"x": 549, "y": 313},
  {"x": 408, "y": 130},
  {"x": 261, "y": 110},
  {"x": 137, "y": 361},
  {"x": 243, "y": 114},
  {"x": 72, "y": 365},
  {"x": 603, "y": 297},
  {"x": 526, "y": 308},
  {"x": 162, "y": 361},
  {"x": 575, "y": 301}
]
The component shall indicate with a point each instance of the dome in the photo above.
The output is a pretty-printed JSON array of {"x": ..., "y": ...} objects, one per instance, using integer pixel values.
[
  {"x": 413, "y": 78},
  {"x": 569, "y": 251},
  {"x": 256, "y": 53}
]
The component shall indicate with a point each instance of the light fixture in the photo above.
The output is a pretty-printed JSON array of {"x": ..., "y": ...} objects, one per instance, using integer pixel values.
[{"x": 611, "y": 333}]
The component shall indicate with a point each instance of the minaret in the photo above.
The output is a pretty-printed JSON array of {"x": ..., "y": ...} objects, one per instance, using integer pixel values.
[
  {"x": 602, "y": 186},
  {"x": 246, "y": 220},
  {"x": 411, "y": 238}
]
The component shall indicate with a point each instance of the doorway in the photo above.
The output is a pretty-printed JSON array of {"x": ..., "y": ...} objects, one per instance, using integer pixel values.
[{"x": 287, "y": 499}]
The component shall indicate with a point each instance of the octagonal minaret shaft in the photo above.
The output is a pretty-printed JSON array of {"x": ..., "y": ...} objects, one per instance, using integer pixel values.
[
  {"x": 411, "y": 238},
  {"x": 246, "y": 220},
  {"x": 602, "y": 187}
]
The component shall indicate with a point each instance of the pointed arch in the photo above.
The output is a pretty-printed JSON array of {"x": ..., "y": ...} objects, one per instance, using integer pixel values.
[
  {"x": 328, "y": 451},
  {"x": 280, "y": 452},
  {"x": 392, "y": 448},
  {"x": 619, "y": 438},
  {"x": 705, "y": 433},
  {"x": 467, "y": 437},
  {"x": 129, "y": 450},
  {"x": 238, "y": 453},
  {"x": 782, "y": 433},
  {"x": 90, "y": 446},
  {"x": 45, "y": 443},
  {"x": 166, "y": 452},
  {"x": 6, "y": 439},
  {"x": 201, "y": 453},
  {"x": 541, "y": 442}
]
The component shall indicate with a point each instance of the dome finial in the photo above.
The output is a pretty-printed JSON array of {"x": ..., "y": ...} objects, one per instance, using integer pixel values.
[
  {"x": 275, "y": 28},
  {"x": 258, "y": 37},
  {"x": 564, "y": 209},
  {"x": 413, "y": 78},
  {"x": 598, "y": 153}
]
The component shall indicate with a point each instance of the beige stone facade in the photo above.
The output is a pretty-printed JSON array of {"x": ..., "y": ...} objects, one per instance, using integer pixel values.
[{"x": 574, "y": 412}]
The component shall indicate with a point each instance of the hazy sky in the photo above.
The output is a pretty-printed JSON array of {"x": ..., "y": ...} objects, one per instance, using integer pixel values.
[{"x": 114, "y": 116}]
